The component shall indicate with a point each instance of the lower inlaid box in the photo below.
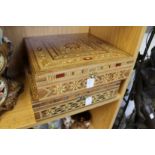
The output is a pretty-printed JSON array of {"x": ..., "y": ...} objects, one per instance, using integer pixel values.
[{"x": 83, "y": 101}]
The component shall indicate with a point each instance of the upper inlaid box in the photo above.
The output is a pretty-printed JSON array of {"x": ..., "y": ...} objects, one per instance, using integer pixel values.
[
  {"x": 61, "y": 52},
  {"x": 62, "y": 64}
]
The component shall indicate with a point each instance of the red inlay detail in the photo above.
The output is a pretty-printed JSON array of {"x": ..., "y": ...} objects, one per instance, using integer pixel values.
[
  {"x": 60, "y": 75},
  {"x": 118, "y": 64},
  {"x": 87, "y": 58}
]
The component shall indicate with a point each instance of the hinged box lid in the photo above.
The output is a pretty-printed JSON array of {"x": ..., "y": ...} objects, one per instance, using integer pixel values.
[{"x": 61, "y": 52}]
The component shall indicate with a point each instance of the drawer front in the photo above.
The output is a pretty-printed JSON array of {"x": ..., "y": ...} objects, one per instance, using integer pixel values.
[
  {"x": 69, "y": 87},
  {"x": 78, "y": 103}
]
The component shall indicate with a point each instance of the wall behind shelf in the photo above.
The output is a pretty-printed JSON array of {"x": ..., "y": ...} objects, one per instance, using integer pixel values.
[
  {"x": 127, "y": 38},
  {"x": 17, "y": 33},
  {"x": 123, "y": 37}
]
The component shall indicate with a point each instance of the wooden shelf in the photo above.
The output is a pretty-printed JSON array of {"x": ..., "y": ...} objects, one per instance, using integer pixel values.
[
  {"x": 22, "y": 115},
  {"x": 126, "y": 38}
]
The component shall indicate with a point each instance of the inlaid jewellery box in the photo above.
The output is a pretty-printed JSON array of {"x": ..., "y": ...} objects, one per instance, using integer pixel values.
[{"x": 64, "y": 65}]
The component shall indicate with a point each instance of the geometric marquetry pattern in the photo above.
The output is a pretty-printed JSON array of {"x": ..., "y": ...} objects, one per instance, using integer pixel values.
[
  {"x": 62, "y": 88},
  {"x": 75, "y": 104},
  {"x": 53, "y": 52},
  {"x": 47, "y": 78}
]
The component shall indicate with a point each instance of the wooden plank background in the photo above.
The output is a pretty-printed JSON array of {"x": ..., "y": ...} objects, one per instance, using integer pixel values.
[{"x": 17, "y": 33}]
